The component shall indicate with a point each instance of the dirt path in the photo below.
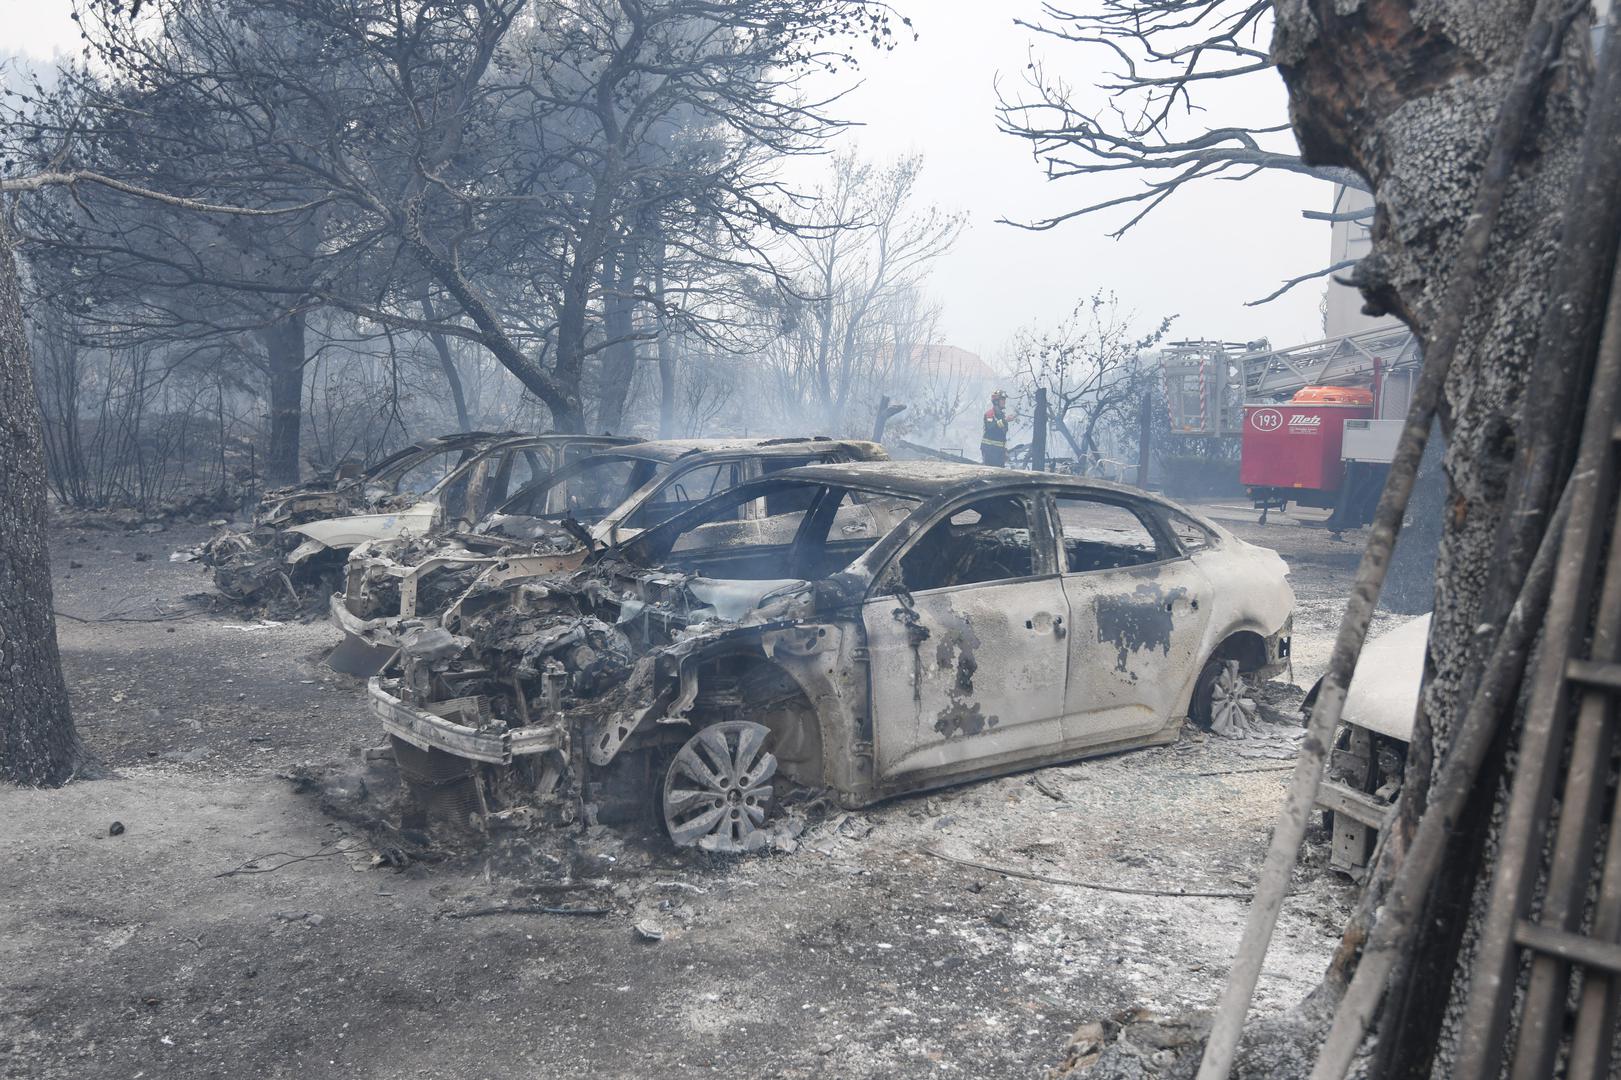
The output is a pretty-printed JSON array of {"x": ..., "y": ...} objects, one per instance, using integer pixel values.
[{"x": 860, "y": 955}]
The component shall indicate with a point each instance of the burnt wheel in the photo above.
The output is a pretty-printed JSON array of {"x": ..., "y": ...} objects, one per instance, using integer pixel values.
[
  {"x": 1222, "y": 700},
  {"x": 718, "y": 788}
]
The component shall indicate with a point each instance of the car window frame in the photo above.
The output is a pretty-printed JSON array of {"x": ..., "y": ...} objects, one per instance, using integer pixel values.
[
  {"x": 643, "y": 496},
  {"x": 1043, "y": 544},
  {"x": 1167, "y": 548},
  {"x": 1169, "y": 514},
  {"x": 574, "y": 468},
  {"x": 638, "y": 549}
]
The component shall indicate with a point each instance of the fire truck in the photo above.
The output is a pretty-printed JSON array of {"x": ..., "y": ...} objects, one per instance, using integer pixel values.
[{"x": 1317, "y": 423}]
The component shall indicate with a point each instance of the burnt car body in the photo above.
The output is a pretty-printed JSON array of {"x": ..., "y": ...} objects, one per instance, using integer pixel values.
[
  {"x": 350, "y": 489},
  {"x": 1364, "y": 778},
  {"x": 295, "y": 544},
  {"x": 925, "y": 624},
  {"x": 392, "y": 587}
]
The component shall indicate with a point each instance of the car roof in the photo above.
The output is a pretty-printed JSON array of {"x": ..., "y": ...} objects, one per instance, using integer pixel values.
[
  {"x": 486, "y": 440},
  {"x": 460, "y": 440},
  {"x": 927, "y": 479},
  {"x": 1383, "y": 695},
  {"x": 669, "y": 450},
  {"x": 518, "y": 442}
]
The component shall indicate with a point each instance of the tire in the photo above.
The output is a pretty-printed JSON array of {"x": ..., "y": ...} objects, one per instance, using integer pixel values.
[
  {"x": 1201, "y": 706},
  {"x": 729, "y": 814},
  {"x": 1209, "y": 692}
]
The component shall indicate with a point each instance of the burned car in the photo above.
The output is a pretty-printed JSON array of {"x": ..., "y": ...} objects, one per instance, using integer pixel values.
[
  {"x": 1364, "y": 775},
  {"x": 908, "y": 625},
  {"x": 351, "y": 489},
  {"x": 293, "y": 547},
  {"x": 394, "y": 586}
]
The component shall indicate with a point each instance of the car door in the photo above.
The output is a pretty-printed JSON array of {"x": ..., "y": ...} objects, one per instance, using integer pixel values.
[
  {"x": 1138, "y": 606},
  {"x": 966, "y": 644}
]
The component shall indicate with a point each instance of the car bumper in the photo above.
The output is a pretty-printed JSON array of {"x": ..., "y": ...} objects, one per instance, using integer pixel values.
[
  {"x": 367, "y": 643},
  {"x": 444, "y": 732}
]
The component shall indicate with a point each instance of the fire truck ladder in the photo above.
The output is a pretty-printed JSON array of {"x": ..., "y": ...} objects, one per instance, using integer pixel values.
[
  {"x": 1570, "y": 942},
  {"x": 1277, "y": 373},
  {"x": 1207, "y": 383}
]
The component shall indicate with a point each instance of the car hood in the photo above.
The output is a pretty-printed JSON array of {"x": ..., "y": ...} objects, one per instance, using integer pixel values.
[
  {"x": 1384, "y": 690},
  {"x": 347, "y": 532}
]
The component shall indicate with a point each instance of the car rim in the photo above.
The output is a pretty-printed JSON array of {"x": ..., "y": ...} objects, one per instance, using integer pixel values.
[
  {"x": 718, "y": 788},
  {"x": 1232, "y": 710}
]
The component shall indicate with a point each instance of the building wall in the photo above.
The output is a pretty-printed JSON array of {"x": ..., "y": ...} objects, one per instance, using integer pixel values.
[{"x": 1349, "y": 240}]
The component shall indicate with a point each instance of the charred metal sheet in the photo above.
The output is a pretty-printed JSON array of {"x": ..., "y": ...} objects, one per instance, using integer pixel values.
[{"x": 1140, "y": 619}]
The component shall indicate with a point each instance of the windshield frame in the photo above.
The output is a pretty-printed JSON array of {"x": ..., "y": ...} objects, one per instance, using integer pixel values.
[
  {"x": 654, "y": 547},
  {"x": 585, "y": 464}
]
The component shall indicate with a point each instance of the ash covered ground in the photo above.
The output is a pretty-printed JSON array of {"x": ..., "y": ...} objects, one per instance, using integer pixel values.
[{"x": 872, "y": 950}]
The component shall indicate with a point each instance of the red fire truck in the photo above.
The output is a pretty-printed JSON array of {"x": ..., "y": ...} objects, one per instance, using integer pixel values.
[
  {"x": 1292, "y": 452},
  {"x": 1317, "y": 423}
]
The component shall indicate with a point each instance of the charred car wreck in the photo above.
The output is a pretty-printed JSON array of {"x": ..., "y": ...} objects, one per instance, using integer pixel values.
[
  {"x": 395, "y": 586},
  {"x": 300, "y": 535},
  {"x": 907, "y": 626},
  {"x": 1364, "y": 778},
  {"x": 349, "y": 489}
]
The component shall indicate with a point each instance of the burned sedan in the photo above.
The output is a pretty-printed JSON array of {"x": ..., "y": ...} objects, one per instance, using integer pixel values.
[
  {"x": 918, "y": 625},
  {"x": 299, "y": 536},
  {"x": 394, "y": 586}
]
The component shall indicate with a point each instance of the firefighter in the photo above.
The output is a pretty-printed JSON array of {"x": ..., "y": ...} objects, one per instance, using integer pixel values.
[{"x": 993, "y": 444}]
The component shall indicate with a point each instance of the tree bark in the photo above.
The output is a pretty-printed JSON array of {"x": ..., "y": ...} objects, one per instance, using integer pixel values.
[
  {"x": 447, "y": 364},
  {"x": 1406, "y": 93},
  {"x": 667, "y": 389},
  {"x": 619, "y": 323},
  {"x": 38, "y": 743},
  {"x": 284, "y": 347}
]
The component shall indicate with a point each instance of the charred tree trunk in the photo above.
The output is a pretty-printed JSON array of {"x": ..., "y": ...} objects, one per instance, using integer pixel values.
[
  {"x": 619, "y": 323},
  {"x": 572, "y": 324},
  {"x": 284, "y": 348},
  {"x": 667, "y": 389},
  {"x": 666, "y": 353},
  {"x": 558, "y": 390},
  {"x": 1407, "y": 94},
  {"x": 1145, "y": 437},
  {"x": 38, "y": 744},
  {"x": 447, "y": 364}
]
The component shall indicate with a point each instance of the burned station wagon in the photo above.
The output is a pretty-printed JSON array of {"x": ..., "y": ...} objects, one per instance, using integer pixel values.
[
  {"x": 393, "y": 586},
  {"x": 920, "y": 624}
]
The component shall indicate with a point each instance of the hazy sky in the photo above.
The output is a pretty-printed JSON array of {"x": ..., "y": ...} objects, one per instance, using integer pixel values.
[{"x": 1200, "y": 256}]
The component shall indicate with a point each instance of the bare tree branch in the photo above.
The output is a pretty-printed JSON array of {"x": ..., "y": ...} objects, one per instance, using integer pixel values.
[
  {"x": 41, "y": 181},
  {"x": 1343, "y": 264}
]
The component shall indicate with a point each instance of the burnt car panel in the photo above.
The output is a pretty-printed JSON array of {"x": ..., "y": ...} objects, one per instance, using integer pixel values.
[
  {"x": 924, "y": 625},
  {"x": 971, "y": 609}
]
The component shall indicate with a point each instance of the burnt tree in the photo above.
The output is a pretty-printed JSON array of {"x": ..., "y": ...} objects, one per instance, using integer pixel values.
[
  {"x": 1465, "y": 119},
  {"x": 1408, "y": 94},
  {"x": 38, "y": 743}
]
